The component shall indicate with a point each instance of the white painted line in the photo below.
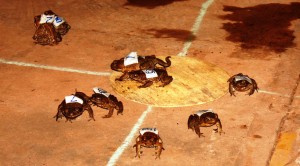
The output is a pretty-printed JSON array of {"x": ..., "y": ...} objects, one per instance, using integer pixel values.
[
  {"x": 195, "y": 27},
  {"x": 114, "y": 158},
  {"x": 275, "y": 93},
  {"x": 54, "y": 68}
]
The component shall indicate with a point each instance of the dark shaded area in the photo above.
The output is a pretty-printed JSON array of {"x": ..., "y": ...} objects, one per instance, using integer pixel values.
[
  {"x": 150, "y": 4},
  {"x": 180, "y": 35},
  {"x": 262, "y": 26}
]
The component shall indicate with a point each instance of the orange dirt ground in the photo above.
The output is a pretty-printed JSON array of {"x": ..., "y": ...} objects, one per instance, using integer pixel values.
[{"x": 257, "y": 38}]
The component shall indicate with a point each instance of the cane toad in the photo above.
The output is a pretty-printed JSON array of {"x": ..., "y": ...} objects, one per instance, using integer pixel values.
[
  {"x": 105, "y": 100},
  {"x": 242, "y": 83},
  {"x": 73, "y": 106},
  {"x": 148, "y": 77},
  {"x": 140, "y": 63},
  {"x": 204, "y": 118},
  {"x": 149, "y": 138}
]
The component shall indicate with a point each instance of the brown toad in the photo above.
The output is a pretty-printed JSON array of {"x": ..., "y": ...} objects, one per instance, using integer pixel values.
[
  {"x": 204, "y": 118},
  {"x": 242, "y": 83},
  {"x": 73, "y": 106},
  {"x": 104, "y": 100},
  {"x": 149, "y": 138},
  {"x": 148, "y": 77},
  {"x": 133, "y": 62}
]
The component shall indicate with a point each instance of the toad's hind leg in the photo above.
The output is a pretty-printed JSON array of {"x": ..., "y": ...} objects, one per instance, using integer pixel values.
[
  {"x": 123, "y": 77},
  {"x": 147, "y": 84},
  {"x": 167, "y": 81},
  {"x": 110, "y": 113}
]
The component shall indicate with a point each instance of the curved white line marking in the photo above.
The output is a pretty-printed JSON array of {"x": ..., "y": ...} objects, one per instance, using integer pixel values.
[
  {"x": 195, "y": 27},
  {"x": 54, "y": 68},
  {"x": 114, "y": 158}
]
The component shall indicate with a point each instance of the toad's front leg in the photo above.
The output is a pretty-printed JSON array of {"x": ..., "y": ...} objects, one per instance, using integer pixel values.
[
  {"x": 219, "y": 127},
  {"x": 197, "y": 130},
  {"x": 158, "y": 149},
  {"x": 59, "y": 111},
  {"x": 138, "y": 150},
  {"x": 231, "y": 90},
  {"x": 253, "y": 88}
]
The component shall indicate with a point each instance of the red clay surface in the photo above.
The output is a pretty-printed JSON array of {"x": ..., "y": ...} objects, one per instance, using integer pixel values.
[{"x": 238, "y": 36}]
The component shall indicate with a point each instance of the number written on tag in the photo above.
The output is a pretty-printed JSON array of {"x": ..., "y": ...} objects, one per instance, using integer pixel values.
[
  {"x": 46, "y": 19},
  {"x": 73, "y": 99},
  {"x": 152, "y": 130},
  {"x": 131, "y": 58},
  {"x": 101, "y": 91},
  {"x": 150, "y": 73},
  {"x": 58, "y": 21}
]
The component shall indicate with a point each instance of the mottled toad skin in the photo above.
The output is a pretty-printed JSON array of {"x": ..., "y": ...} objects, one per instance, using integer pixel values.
[
  {"x": 110, "y": 103},
  {"x": 45, "y": 34},
  {"x": 205, "y": 120},
  {"x": 73, "y": 110},
  {"x": 246, "y": 83},
  {"x": 140, "y": 77},
  {"x": 144, "y": 63},
  {"x": 149, "y": 140}
]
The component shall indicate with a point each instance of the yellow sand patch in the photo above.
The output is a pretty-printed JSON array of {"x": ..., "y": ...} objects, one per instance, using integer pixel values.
[
  {"x": 194, "y": 82},
  {"x": 283, "y": 149}
]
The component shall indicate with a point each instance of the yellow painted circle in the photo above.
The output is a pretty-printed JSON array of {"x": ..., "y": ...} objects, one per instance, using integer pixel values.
[{"x": 194, "y": 82}]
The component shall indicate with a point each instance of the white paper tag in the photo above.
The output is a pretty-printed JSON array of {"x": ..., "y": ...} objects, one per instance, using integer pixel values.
[
  {"x": 58, "y": 20},
  {"x": 239, "y": 78},
  {"x": 150, "y": 73},
  {"x": 131, "y": 58},
  {"x": 199, "y": 113},
  {"x": 152, "y": 130},
  {"x": 47, "y": 18},
  {"x": 101, "y": 91},
  {"x": 73, "y": 99}
]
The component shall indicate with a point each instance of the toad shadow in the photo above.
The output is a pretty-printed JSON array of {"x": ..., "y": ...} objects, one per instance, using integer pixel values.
[
  {"x": 264, "y": 26},
  {"x": 150, "y": 4}
]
